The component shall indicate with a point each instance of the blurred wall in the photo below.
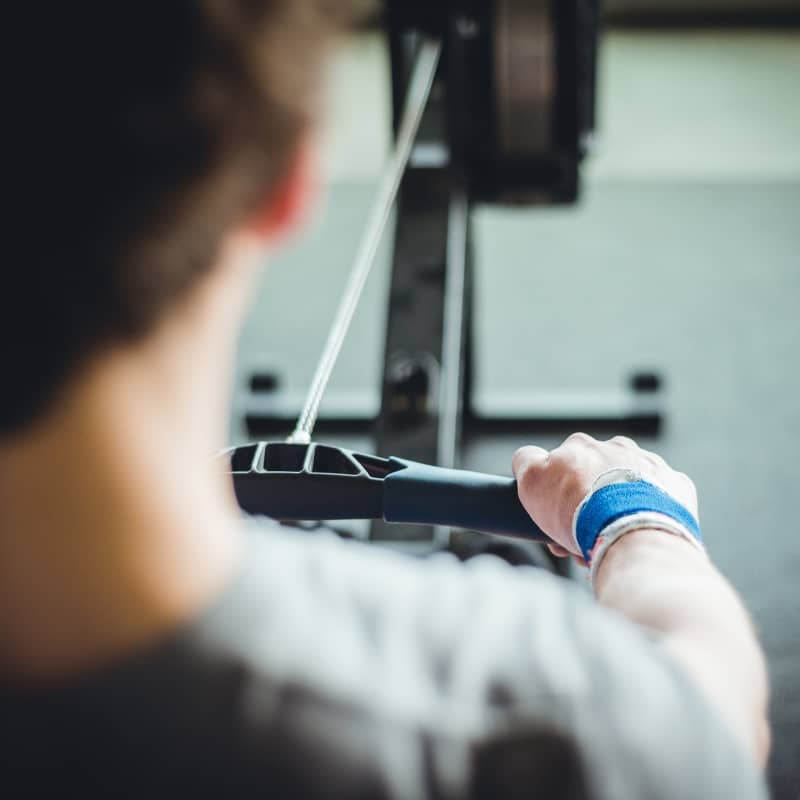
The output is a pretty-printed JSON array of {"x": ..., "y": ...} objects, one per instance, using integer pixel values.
[{"x": 698, "y": 6}]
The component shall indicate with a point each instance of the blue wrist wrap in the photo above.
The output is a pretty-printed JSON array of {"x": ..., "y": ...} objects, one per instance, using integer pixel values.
[{"x": 619, "y": 500}]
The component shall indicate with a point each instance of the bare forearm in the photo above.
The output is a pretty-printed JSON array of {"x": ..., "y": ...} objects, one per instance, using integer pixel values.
[
  {"x": 668, "y": 587},
  {"x": 657, "y": 579}
]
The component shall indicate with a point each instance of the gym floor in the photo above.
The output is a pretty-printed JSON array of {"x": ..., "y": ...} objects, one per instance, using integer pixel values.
[{"x": 683, "y": 258}]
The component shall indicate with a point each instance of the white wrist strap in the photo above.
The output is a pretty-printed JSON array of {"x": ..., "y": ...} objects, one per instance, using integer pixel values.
[{"x": 644, "y": 520}]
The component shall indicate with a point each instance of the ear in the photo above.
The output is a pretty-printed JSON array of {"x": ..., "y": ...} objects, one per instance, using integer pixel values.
[{"x": 287, "y": 206}]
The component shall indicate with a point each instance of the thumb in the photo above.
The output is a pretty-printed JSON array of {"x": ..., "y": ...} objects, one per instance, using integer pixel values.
[
  {"x": 529, "y": 457},
  {"x": 530, "y": 469}
]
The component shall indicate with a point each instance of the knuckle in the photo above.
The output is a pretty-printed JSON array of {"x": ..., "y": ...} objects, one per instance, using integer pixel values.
[
  {"x": 579, "y": 438},
  {"x": 624, "y": 441},
  {"x": 563, "y": 458},
  {"x": 654, "y": 460}
]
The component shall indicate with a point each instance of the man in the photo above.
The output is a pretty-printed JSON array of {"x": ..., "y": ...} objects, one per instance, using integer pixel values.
[{"x": 152, "y": 643}]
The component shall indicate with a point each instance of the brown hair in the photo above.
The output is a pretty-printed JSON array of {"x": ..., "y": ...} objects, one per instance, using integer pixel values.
[{"x": 148, "y": 129}]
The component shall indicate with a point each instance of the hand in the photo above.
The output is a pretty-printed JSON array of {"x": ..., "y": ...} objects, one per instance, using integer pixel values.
[{"x": 552, "y": 484}]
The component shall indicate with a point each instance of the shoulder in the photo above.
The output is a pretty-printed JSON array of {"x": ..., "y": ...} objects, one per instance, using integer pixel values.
[{"x": 426, "y": 619}]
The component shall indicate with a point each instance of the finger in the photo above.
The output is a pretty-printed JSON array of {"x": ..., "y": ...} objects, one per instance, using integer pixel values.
[
  {"x": 625, "y": 441},
  {"x": 527, "y": 457}
]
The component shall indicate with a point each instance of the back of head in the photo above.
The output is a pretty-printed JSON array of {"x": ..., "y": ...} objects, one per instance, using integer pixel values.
[{"x": 144, "y": 131}]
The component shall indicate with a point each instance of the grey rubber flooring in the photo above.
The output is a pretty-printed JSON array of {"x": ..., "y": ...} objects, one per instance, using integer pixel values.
[{"x": 699, "y": 281}]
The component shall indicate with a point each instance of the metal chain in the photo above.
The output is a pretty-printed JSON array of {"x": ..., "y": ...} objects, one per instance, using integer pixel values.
[{"x": 416, "y": 98}]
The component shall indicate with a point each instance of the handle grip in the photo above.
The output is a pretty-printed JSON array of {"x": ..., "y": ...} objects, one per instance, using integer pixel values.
[{"x": 424, "y": 494}]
